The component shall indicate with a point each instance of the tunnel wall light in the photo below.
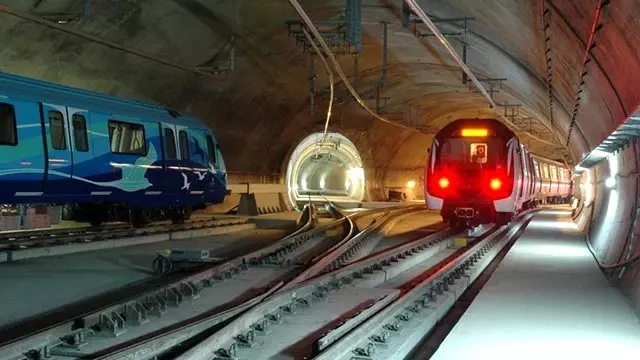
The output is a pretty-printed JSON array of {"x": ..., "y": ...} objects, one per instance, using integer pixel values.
[
  {"x": 411, "y": 184},
  {"x": 599, "y": 153},
  {"x": 613, "y": 171},
  {"x": 356, "y": 173},
  {"x": 610, "y": 182}
]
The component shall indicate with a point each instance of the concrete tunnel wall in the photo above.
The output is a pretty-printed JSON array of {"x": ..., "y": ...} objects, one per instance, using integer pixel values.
[
  {"x": 261, "y": 110},
  {"x": 612, "y": 230}
]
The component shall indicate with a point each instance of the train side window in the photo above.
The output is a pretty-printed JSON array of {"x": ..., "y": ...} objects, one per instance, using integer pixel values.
[
  {"x": 212, "y": 151},
  {"x": 184, "y": 145},
  {"x": 198, "y": 154},
  {"x": 127, "y": 138},
  {"x": 56, "y": 128},
  {"x": 8, "y": 128},
  {"x": 81, "y": 141},
  {"x": 170, "y": 143},
  {"x": 545, "y": 171},
  {"x": 554, "y": 174}
]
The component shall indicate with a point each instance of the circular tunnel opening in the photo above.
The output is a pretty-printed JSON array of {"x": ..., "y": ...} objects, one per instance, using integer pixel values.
[{"x": 325, "y": 170}]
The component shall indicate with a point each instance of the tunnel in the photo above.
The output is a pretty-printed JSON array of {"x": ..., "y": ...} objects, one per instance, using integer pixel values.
[
  {"x": 325, "y": 167},
  {"x": 561, "y": 75}
]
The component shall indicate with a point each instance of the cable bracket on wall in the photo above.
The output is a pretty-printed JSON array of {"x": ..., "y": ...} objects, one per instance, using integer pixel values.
[{"x": 591, "y": 44}]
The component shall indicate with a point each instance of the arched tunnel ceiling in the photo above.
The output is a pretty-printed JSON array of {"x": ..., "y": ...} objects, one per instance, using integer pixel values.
[{"x": 261, "y": 109}]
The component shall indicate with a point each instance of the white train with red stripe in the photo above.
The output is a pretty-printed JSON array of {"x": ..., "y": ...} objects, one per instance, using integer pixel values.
[{"x": 478, "y": 172}]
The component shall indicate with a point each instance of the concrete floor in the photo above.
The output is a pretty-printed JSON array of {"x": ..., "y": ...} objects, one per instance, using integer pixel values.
[
  {"x": 409, "y": 228},
  {"x": 34, "y": 286},
  {"x": 546, "y": 300}
]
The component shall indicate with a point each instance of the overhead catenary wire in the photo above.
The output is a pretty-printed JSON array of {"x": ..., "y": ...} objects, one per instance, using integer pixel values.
[
  {"x": 331, "y": 86},
  {"x": 432, "y": 27},
  {"x": 314, "y": 31},
  {"x": 309, "y": 24}
]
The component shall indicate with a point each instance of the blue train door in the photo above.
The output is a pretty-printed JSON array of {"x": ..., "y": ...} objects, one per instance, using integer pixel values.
[
  {"x": 78, "y": 124},
  {"x": 172, "y": 179},
  {"x": 59, "y": 154},
  {"x": 198, "y": 159},
  {"x": 21, "y": 151}
]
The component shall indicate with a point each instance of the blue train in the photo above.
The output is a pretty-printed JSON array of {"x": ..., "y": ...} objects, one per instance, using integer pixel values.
[{"x": 103, "y": 157}]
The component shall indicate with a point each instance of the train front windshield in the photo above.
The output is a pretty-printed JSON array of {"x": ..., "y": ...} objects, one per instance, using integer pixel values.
[{"x": 471, "y": 154}]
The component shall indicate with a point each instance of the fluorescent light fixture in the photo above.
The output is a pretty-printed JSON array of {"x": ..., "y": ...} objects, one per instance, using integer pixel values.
[
  {"x": 355, "y": 174},
  {"x": 553, "y": 225},
  {"x": 599, "y": 153},
  {"x": 610, "y": 182},
  {"x": 580, "y": 168}
]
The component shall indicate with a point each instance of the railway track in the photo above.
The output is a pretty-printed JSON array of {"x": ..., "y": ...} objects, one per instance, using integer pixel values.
[
  {"x": 27, "y": 244},
  {"x": 158, "y": 319},
  {"x": 377, "y": 307}
]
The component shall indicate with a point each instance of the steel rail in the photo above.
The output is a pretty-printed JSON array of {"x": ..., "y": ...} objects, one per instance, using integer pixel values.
[
  {"x": 116, "y": 317},
  {"x": 72, "y": 241},
  {"x": 157, "y": 341},
  {"x": 148, "y": 347},
  {"x": 350, "y": 247},
  {"x": 395, "y": 331},
  {"x": 42, "y": 237},
  {"x": 373, "y": 270}
]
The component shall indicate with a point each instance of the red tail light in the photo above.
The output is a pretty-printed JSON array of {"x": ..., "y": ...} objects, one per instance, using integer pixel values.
[
  {"x": 443, "y": 183},
  {"x": 495, "y": 184}
]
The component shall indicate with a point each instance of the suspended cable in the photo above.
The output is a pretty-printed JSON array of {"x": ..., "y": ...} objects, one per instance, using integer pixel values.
[
  {"x": 330, "y": 74},
  {"x": 305, "y": 18},
  {"x": 432, "y": 27}
]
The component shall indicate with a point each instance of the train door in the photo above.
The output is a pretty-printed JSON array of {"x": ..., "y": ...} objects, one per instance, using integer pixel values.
[
  {"x": 217, "y": 185},
  {"x": 554, "y": 180},
  {"x": 21, "y": 150},
  {"x": 172, "y": 179},
  {"x": 521, "y": 174},
  {"x": 534, "y": 177},
  {"x": 78, "y": 124},
  {"x": 526, "y": 178},
  {"x": 197, "y": 143},
  {"x": 546, "y": 179},
  {"x": 536, "y": 167},
  {"x": 59, "y": 167}
]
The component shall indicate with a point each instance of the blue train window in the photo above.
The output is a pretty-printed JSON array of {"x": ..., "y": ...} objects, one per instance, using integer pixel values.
[
  {"x": 80, "y": 133},
  {"x": 56, "y": 130},
  {"x": 184, "y": 145},
  {"x": 127, "y": 138},
  {"x": 212, "y": 151},
  {"x": 8, "y": 130},
  {"x": 198, "y": 154},
  {"x": 170, "y": 143}
]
